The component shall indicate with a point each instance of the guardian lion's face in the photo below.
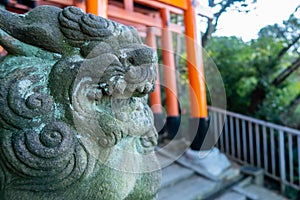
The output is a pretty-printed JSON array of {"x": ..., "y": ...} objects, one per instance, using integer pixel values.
[{"x": 109, "y": 91}]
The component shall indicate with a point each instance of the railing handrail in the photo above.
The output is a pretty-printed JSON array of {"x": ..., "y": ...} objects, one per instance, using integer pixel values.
[
  {"x": 257, "y": 121},
  {"x": 272, "y": 147}
]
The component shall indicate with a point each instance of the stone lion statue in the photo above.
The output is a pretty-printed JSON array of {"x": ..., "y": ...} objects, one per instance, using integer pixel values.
[{"x": 74, "y": 119}]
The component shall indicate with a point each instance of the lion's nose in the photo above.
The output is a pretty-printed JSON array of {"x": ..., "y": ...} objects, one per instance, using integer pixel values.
[{"x": 138, "y": 56}]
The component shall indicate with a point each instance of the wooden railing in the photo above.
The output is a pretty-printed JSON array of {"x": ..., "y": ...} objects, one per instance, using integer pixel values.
[{"x": 250, "y": 141}]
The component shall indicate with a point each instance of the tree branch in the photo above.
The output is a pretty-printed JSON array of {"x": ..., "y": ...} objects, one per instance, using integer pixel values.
[
  {"x": 286, "y": 72},
  {"x": 211, "y": 26},
  {"x": 211, "y": 3},
  {"x": 284, "y": 50},
  {"x": 295, "y": 102},
  {"x": 224, "y": 7}
]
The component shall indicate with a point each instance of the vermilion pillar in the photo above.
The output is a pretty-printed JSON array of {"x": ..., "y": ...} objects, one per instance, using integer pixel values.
[
  {"x": 198, "y": 104},
  {"x": 155, "y": 96},
  {"x": 173, "y": 119},
  {"x": 80, "y": 4},
  {"x": 97, "y": 7}
]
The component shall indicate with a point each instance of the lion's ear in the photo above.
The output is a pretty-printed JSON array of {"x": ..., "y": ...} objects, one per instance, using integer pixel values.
[{"x": 94, "y": 49}]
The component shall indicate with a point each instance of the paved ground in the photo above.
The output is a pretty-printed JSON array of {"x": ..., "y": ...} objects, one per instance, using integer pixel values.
[{"x": 184, "y": 181}]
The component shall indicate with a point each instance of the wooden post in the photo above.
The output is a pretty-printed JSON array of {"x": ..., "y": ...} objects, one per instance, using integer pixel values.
[
  {"x": 80, "y": 4},
  {"x": 198, "y": 104},
  {"x": 173, "y": 119},
  {"x": 195, "y": 65},
  {"x": 97, "y": 7},
  {"x": 128, "y": 5},
  {"x": 155, "y": 96}
]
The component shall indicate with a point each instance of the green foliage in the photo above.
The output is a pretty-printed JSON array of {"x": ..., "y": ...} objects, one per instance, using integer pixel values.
[
  {"x": 232, "y": 55},
  {"x": 286, "y": 32},
  {"x": 245, "y": 66},
  {"x": 274, "y": 105}
]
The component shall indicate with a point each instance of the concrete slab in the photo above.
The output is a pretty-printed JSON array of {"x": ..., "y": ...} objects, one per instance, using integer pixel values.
[
  {"x": 174, "y": 173},
  {"x": 263, "y": 193},
  {"x": 192, "y": 188},
  {"x": 231, "y": 196}
]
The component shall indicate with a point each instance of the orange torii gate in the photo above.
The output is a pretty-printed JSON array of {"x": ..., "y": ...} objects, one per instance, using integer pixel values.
[
  {"x": 198, "y": 105},
  {"x": 143, "y": 14}
]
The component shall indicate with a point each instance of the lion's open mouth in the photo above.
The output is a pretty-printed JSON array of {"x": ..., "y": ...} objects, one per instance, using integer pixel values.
[
  {"x": 131, "y": 72},
  {"x": 128, "y": 82}
]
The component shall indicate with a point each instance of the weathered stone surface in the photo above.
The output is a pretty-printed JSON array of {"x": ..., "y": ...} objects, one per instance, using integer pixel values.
[{"x": 74, "y": 119}]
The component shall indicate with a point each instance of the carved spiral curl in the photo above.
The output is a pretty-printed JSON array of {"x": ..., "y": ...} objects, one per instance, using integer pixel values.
[
  {"x": 96, "y": 26},
  {"x": 22, "y": 100},
  {"x": 137, "y": 75},
  {"x": 47, "y": 161},
  {"x": 76, "y": 25},
  {"x": 91, "y": 112},
  {"x": 70, "y": 17},
  {"x": 69, "y": 20},
  {"x": 2, "y": 178},
  {"x": 149, "y": 141}
]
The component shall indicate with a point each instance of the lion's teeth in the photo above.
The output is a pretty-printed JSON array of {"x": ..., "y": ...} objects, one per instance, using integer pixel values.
[
  {"x": 132, "y": 73},
  {"x": 109, "y": 90},
  {"x": 141, "y": 89},
  {"x": 148, "y": 87},
  {"x": 121, "y": 86}
]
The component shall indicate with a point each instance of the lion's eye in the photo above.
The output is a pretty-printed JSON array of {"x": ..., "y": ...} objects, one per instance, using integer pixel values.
[
  {"x": 121, "y": 69},
  {"x": 115, "y": 68},
  {"x": 131, "y": 60},
  {"x": 116, "y": 62}
]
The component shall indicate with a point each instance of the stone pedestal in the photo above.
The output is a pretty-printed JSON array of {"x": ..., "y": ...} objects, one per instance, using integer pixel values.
[{"x": 212, "y": 162}]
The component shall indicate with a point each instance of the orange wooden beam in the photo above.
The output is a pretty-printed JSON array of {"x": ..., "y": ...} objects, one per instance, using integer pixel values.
[
  {"x": 63, "y": 2},
  {"x": 14, "y": 6},
  {"x": 97, "y": 7},
  {"x": 155, "y": 96},
  {"x": 177, "y": 3},
  {"x": 144, "y": 10},
  {"x": 195, "y": 66},
  {"x": 160, "y": 5},
  {"x": 169, "y": 69},
  {"x": 134, "y": 17}
]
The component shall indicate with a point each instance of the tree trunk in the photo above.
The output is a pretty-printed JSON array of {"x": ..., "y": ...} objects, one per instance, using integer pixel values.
[
  {"x": 209, "y": 30},
  {"x": 257, "y": 97}
]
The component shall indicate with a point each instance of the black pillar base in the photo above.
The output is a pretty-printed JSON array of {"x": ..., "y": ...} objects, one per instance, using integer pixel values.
[
  {"x": 198, "y": 128},
  {"x": 173, "y": 124},
  {"x": 160, "y": 123}
]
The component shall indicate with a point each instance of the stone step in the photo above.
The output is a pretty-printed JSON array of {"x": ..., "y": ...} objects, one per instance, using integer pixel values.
[
  {"x": 173, "y": 174},
  {"x": 184, "y": 181},
  {"x": 258, "y": 192},
  {"x": 231, "y": 196},
  {"x": 194, "y": 187},
  {"x": 166, "y": 157}
]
